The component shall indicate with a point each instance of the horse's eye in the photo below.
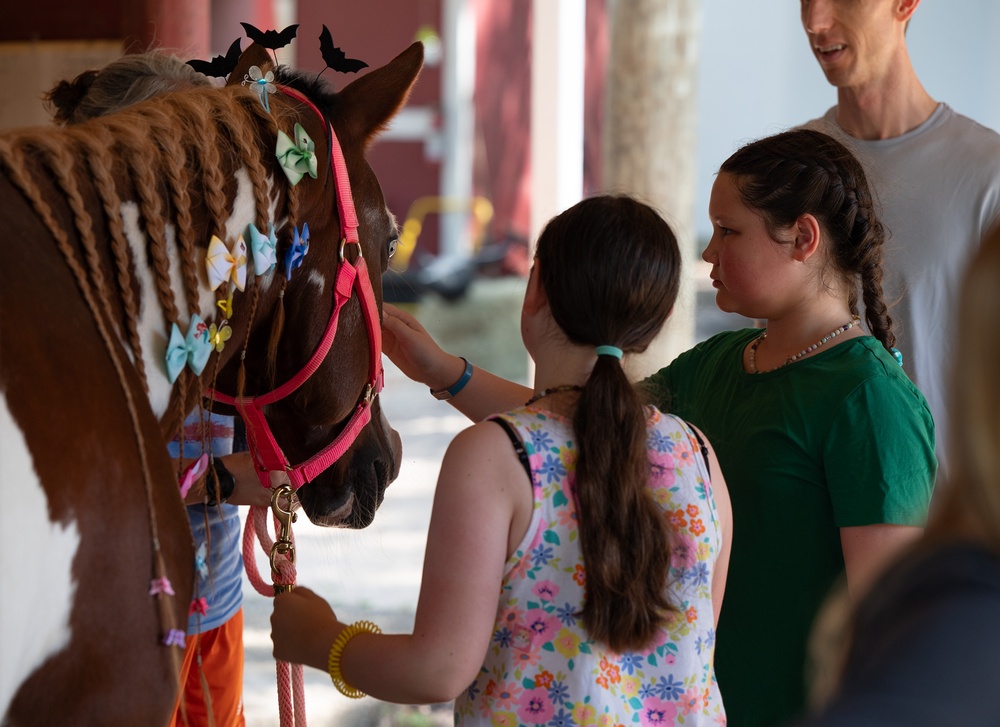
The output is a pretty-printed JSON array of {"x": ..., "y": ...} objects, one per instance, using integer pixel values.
[{"x": 393, "y": 244}]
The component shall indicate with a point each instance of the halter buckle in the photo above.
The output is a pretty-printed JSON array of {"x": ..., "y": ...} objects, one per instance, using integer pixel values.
[{"x": 344, "y": 243}]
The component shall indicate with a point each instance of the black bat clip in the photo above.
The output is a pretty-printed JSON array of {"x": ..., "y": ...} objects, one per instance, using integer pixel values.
[
  {"x": 219, "y": 66},
  {"x": 335, "y": 58},
  {"x": 271, "y": 39}
]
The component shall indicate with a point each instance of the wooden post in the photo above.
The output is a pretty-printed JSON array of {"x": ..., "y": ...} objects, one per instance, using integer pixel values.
[{"x": 649, "y": 139}]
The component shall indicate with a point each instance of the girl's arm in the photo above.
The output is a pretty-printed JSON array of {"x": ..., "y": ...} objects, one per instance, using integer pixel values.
[
  {"x": 411, "y": 348},
  {"x": 481, "y": 491},
  {"x": 868, "y": 549}
]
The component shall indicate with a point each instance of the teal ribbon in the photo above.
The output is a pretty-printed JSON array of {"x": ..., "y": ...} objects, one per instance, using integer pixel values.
[
  {"x": 192, "y": 350},
  {"x": 263, "y": 248}
]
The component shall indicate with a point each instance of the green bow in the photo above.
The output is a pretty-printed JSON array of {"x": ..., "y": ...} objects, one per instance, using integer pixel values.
[{"x": 297, "y": 158}]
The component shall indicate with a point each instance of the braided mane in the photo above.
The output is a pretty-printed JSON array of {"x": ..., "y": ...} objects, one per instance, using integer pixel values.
[{"x": 169, "y": 154}]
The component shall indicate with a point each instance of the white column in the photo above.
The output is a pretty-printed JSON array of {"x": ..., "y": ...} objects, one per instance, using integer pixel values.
[
  {"x": 458, "y": 80},
  {"x": 557, "y": 61}
]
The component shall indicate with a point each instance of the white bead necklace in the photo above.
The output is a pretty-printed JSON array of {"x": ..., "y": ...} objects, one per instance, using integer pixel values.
[{"x": 760, "y": 339}]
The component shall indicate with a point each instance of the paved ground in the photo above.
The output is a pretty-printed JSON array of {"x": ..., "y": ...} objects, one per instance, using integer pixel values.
[{"x": 375, "y": 573}]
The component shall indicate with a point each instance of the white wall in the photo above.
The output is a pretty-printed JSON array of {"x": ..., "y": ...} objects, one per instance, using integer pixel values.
[{"x": 759, "y": 77}]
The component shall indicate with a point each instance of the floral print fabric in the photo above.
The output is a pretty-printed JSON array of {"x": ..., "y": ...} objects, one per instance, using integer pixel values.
[{"x": 541, "y": 667}]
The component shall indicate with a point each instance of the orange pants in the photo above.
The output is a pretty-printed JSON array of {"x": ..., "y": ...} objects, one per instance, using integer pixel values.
[{"x": 222, "y": 664}]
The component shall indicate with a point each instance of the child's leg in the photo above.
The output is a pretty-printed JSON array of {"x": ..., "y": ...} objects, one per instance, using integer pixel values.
[{"x": 222, "y": 664}]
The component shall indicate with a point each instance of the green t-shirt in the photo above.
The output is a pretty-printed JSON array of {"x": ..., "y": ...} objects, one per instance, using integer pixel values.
[{"x": 841, "y": 438}]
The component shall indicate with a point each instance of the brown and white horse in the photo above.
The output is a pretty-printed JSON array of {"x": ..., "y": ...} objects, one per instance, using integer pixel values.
[{"x": 105, "y": 229}]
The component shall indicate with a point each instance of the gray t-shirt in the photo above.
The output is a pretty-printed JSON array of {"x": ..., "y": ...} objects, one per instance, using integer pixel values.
[{"x": 938, "y": 187}]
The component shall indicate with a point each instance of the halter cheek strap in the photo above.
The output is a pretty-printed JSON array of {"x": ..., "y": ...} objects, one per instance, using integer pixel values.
[{"x": 351, "y": 278}]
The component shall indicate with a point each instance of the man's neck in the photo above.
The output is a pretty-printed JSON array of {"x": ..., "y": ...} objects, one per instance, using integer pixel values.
[{"x": 885, "y": 108}]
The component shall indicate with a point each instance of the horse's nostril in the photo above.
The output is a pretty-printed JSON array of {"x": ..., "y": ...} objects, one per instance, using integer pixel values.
[{"x": 396, "y": 446}]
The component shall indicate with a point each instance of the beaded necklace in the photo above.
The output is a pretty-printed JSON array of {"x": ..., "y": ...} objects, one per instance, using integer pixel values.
[
  {"x": 554, "y": 390},
  {"x": 831, "y": 335}
]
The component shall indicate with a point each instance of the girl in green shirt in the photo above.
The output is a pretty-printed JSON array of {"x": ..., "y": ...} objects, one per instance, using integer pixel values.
[{"x": 827, "y": 447}]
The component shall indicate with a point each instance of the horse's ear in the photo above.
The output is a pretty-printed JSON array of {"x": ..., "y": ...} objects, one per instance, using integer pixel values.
[
  {"x": 255, "y": 55},
  {"x": 374, "y": 98}
]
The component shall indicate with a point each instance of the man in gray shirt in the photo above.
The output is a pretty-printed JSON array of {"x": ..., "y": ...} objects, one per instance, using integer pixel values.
[{"x": 936, "y": 174}]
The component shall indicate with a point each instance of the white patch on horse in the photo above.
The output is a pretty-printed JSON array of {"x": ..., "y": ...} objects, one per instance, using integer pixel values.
[
  {"x": 153, "y": 332},
  {"x": 35, "y": 608},
  {"x": 176, "y": 272},
  {"x": 316, "y": 278}
]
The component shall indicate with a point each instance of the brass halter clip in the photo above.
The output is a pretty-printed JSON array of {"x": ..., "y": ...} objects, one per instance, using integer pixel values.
[{"x": 283, "y": 544}]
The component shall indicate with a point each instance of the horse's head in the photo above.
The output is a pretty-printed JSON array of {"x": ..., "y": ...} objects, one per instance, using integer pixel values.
[{"x": 318, "y": 411}]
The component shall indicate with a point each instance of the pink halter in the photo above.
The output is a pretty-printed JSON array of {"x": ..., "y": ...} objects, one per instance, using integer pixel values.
[{"x": 351, "y": 277}]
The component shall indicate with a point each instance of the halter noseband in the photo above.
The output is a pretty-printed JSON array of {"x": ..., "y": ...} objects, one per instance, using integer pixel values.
[{"x": 351, "y": 277}]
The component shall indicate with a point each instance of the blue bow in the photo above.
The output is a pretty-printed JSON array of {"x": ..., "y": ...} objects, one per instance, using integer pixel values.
[
  {"x": 192, "y": 350},
  {"x": 297, "y": 251},
  {"x": 264, "y": 257}
]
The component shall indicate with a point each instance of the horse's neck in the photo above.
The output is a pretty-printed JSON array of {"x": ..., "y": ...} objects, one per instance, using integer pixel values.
[{"x": 153, "y": 329}]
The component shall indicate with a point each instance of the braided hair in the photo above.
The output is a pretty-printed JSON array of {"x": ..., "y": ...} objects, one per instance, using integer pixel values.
[{"x": 806, "y": 171}]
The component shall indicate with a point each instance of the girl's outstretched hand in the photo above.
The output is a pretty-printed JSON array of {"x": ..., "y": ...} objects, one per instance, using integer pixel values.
[
  {"x": 411, "y": 348},
  {"x": 303, "y": 628}
]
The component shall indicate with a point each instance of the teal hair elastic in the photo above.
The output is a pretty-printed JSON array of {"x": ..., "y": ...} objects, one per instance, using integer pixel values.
[{"x": 609, "y": 351}]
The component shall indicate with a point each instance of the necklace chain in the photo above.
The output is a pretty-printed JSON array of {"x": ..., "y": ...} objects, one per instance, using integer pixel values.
[
  {"x": 553, "y": 390},
  {"x": 809, "y": 349}
]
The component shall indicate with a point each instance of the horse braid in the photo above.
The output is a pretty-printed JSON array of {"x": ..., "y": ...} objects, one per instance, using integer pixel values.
[
  {"x": 139, "y": 147},
  {"x": 174, "y": 166},
  {"x": 243, "y": 132},
  {"x": 97, "y": 144}
]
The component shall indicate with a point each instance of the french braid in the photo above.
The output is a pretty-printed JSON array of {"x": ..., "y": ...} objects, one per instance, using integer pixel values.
[{"x": 805, "y": 171}]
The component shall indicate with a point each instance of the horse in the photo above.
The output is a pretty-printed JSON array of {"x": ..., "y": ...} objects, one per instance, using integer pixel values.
[{"x": 105, "y": 286}]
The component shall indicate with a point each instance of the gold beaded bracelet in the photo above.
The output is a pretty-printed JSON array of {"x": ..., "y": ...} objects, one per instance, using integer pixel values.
[{"x": 333, "y": 661}]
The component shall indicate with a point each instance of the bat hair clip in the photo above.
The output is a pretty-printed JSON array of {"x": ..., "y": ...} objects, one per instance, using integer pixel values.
[
  {"x": 271, "y": 39},
  {"x": 219, "y": 66},
  {"x": 335, "y": 58}
]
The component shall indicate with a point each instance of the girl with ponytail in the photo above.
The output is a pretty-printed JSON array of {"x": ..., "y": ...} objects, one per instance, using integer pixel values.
[
  {"x": 827, "y": 446},
  {"x": 603, "y": 523}
]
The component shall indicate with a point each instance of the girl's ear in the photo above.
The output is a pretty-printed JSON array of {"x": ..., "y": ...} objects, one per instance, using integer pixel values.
[
  {"x": 534, "y": 295},
  {"x": 807, "y": 237}
]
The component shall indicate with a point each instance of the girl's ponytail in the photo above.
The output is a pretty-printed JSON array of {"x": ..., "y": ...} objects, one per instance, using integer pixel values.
[{"x": 610, "y": 267}]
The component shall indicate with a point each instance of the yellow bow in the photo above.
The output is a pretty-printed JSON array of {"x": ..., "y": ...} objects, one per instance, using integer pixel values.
[{"x": 224, "y": 265}]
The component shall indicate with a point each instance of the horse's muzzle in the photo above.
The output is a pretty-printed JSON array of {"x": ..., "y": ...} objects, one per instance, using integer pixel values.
[{"x": 349, "y": 493}]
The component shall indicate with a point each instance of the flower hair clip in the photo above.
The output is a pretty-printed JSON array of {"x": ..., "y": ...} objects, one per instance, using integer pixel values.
[{"x": 262, "y": 83}]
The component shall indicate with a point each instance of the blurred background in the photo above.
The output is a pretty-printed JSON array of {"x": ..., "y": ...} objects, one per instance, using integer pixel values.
[{"x": 523, "y": 107}]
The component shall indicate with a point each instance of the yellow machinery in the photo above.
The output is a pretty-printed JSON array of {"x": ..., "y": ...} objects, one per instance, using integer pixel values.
[{"x": 479, "y": 207}]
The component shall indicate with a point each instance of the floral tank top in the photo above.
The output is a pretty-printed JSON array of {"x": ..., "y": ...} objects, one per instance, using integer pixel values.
[{"x": 541, "y": 667}]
